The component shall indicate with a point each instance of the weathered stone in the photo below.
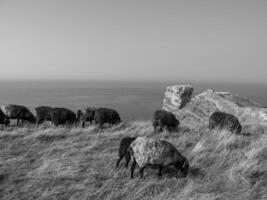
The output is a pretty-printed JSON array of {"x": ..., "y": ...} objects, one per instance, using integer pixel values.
[
  {"x": 177, "y": 96},
  {"x": 199, "y": 109}
]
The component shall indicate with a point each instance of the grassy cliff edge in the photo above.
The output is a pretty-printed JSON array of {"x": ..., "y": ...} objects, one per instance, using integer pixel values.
[{"x": 76, "y": 163}]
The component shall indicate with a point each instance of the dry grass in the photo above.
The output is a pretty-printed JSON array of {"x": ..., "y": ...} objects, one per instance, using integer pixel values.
[{"x": 75, "y": 163}]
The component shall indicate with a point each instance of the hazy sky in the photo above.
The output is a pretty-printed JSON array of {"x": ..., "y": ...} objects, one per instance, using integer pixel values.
[{"x": 134, "y": 40}]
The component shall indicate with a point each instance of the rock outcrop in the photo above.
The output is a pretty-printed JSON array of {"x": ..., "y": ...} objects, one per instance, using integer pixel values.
[
  {"x": 199, "y": 109},
  {"x": 177, "y": 96}
]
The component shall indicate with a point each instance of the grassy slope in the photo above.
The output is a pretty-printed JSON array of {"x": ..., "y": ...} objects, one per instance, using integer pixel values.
[{"x": 63, "y": 163}]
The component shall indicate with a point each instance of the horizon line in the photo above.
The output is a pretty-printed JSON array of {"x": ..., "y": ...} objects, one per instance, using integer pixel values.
[{"x": 129, "y": 81}]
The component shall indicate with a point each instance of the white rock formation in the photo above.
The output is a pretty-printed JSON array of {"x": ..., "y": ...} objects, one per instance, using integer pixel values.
[
  {"x": 177, "y": 96},
  {"x": 204, "y": 104}
]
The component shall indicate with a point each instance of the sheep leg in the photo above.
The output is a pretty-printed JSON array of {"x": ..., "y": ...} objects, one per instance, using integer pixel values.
[
  {"x": 160, "y": 125},
  {"x": 100, "y": 125},
  {"x": 160, "y": 171},
  {"x": 118, "y": 161},
  {"x": 75, "y": 124},
  {"x": 36, "y": 124},
  {"x": 127, "y": 159},
  {"x": 141, "y": 171},
  {"x": 132, "y": 168}
]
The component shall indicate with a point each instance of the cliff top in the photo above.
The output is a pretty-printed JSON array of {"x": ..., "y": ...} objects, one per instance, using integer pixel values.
[{"x": 201, "y": 106}]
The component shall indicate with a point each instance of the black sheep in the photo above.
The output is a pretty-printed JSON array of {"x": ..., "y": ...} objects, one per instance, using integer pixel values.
[
  {"x": 123, "y": 150},
  {"x": 224, "y": 120},
  {"x": 61, "y": 116},
  {"x": 106, "y": 115},
  {"x": 43, "y": 114},
  {"x": 162, "y": 118},
  {"x": 84, "y": 115},
  {"x": 19, "y": 112}
]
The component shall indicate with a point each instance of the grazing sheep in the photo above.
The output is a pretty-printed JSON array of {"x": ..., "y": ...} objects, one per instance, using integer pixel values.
[
  {"x": 224, "y": 120},
  {"x": 43, "y": 114},
  {"x": 61, "y": 116},
  {"x": 147, "y": 151},
  {"x": 162, "y": 118},
  {"x": 123, "y": 150},
  {"x": 106, "y": 115},
  {"x": 18, "y": 112},
  {"x": 85, "y": 115}
]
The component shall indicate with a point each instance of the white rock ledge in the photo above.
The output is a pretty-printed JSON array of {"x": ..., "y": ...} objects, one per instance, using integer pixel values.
[
  {"x": 178, "y": 99},
  {"x": 177, "y": 96}
]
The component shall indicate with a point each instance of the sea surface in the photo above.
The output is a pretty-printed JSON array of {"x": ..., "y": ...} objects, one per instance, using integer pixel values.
[{"x": 133, "y": 100}]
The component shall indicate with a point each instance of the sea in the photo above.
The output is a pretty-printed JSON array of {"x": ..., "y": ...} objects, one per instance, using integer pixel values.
[{"x": 133, "y": 100}]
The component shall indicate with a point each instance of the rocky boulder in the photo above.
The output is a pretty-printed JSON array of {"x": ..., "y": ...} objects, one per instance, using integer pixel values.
[
  {"x": 177, "y": 96},
  {"x": 199, "y": 109}
]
